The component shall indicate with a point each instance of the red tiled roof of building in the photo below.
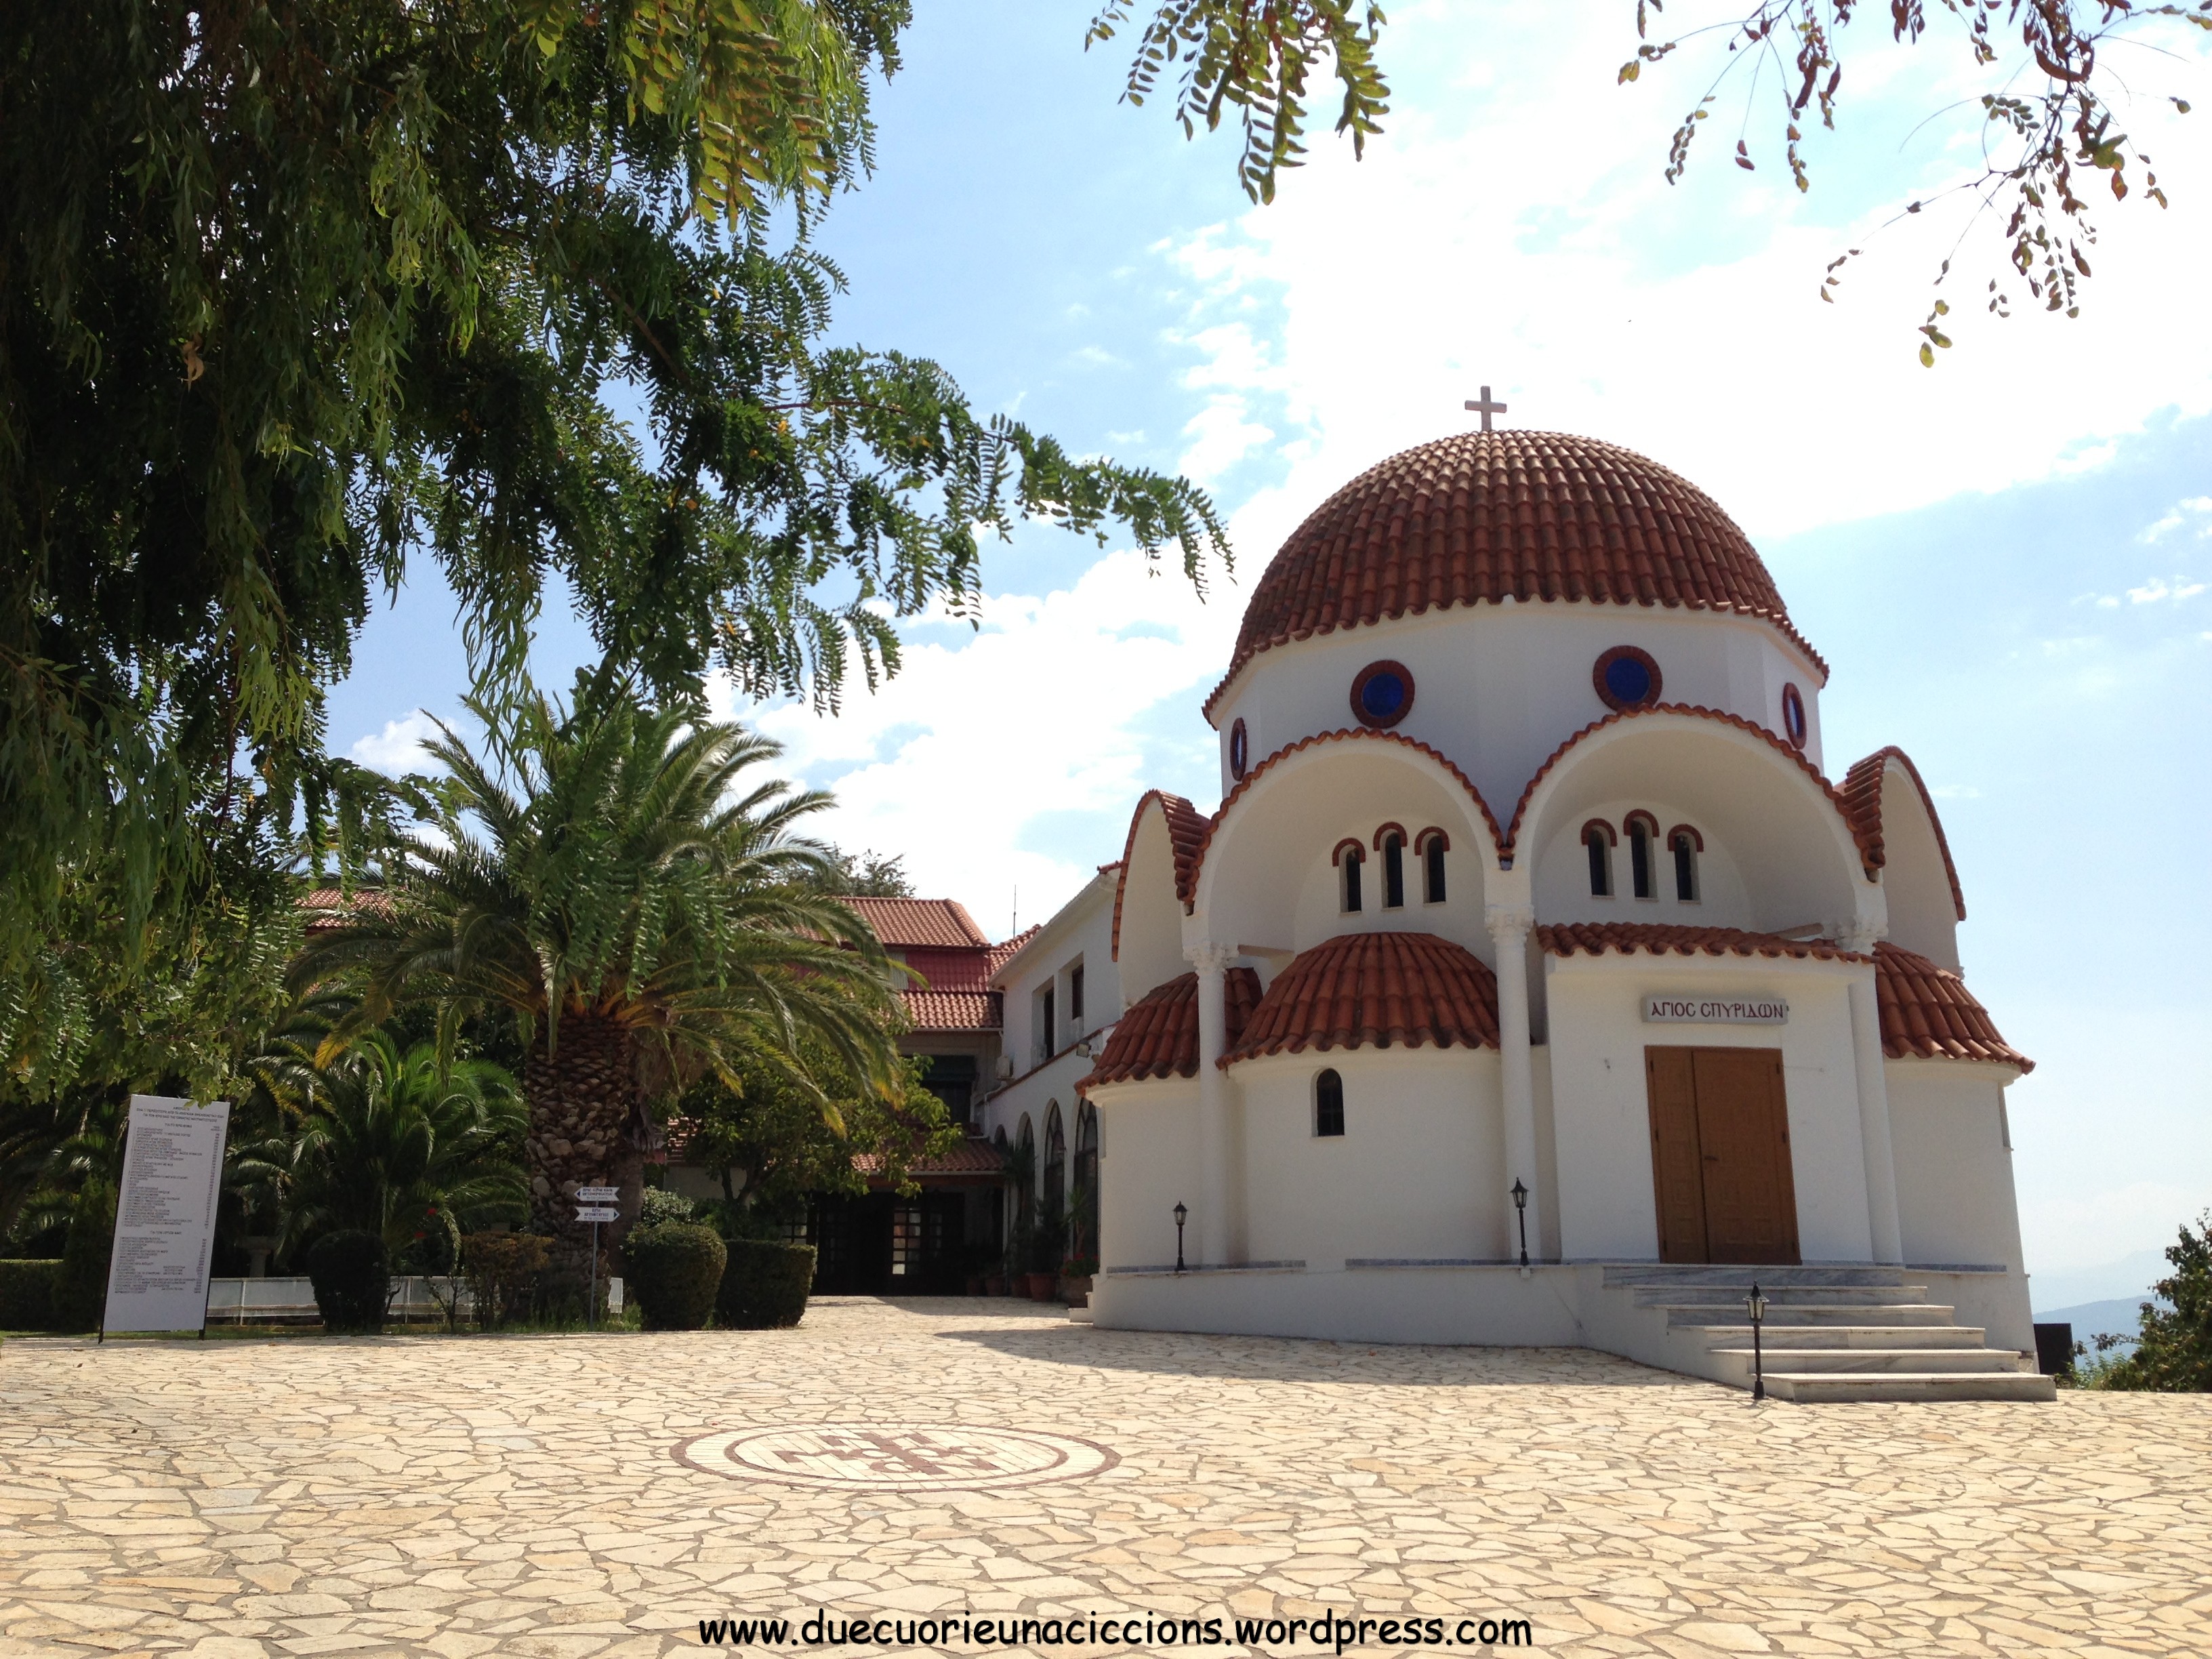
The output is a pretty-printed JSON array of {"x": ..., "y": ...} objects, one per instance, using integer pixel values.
[
  {"x": 1187, "y": 888},
  {"x": 952, "y": 1011},
  {"x": 1380, "y": 990},
  {"x": 1187, "y": 831},
  {"x": 1862, "y": 799},
  {"x": 333, "y": 907},
  {"x": 1928, "y": 1011},
  {"x": 1482, "y": 516},
  {"x": 1870, "y": 853},
  {"x": 963, "y": 1158},
  {"x": 907, "y": 922},
  {"x": 1157, "y": 1037},
  {"x": 1656, "y": 939},
  {"x": 1003, "y": 952}
]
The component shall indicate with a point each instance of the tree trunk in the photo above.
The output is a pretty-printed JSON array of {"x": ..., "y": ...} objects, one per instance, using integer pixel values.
[{"x": 581, "y": 1100}]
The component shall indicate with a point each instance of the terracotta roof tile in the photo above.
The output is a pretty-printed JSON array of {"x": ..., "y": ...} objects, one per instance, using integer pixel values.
[
  {"x": 963, "y": 1158},
  {"x": 1003, "y": 952},
  {"x": 1380, "y": 990},
  {"x": 1157, "y": 1037},
  {"x": 900, "y": 922},
  {"x": 1870, "y": 853},
  {"x": 952, "y": 1011},
  {"x": 1187, "y": 831},
  {"x": 1928, "y": 1011},
  {"x": 1480, "y": 516},
  {"x": 1862, "y": 799},
  {"x": 1653, "y": 938},
  {"x": 1349, "y": 734},
  {"x": 333, "y": 907}
]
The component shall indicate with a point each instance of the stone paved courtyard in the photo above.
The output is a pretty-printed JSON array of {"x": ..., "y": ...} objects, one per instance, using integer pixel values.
[{"x": 524, "y": 1495}]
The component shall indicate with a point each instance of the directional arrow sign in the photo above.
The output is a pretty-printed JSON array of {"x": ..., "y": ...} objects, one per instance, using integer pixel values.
[
  {"x": 597, "y": 1195},
  {"x": 598, "y": 1212}
]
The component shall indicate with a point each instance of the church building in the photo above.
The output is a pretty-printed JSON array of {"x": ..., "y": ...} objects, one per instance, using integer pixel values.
[{"x": 1538, "y": 979}]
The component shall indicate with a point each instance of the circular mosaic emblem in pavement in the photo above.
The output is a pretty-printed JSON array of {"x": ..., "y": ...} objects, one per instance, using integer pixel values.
[{"x": 905, "y": 1457}]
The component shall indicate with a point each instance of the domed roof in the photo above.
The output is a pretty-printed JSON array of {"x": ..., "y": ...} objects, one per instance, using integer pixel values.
[{"x": 1482, "y": 515}]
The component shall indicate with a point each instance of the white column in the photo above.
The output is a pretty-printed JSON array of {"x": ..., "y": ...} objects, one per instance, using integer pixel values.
[
  {"x": 1874, "y": 1110},
  {"x": 1509, "y": 931},
  {"x": 1215, "y": 1175}
]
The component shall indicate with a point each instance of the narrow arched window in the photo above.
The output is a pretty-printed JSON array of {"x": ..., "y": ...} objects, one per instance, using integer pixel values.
[
  {"x": 1352, "y": 861},
  {"x": 1433, "y": 870},
  {"x": 1328, "y": 1104},
  {"x": 1393, "y": 873},
  {"x": 1686, "y": 867},
  {"x": 1639, "y": 859},
  {"x": 1600, "y": 860}
]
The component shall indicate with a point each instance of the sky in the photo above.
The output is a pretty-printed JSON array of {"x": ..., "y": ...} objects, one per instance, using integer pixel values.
[{"x": 2007, "y": 560}]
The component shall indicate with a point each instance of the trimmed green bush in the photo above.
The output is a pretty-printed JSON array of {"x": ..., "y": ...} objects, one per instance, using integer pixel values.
[
  {"x": 673, "y": 1271},
  {"x": 765, "y": 1285},
  {"x": 81, "y": 1290},
  {"x": 352, "y": 1277},
  {"x": 26, "y": 1294}
]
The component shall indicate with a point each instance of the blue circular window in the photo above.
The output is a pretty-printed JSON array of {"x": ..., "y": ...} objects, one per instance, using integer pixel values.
[
  {"x": 1793, "y": 716},
  {"x": 1239, "y": 750},
  {"x": 1626, "y": 677},
  {"x": 1383, "y": 694}
]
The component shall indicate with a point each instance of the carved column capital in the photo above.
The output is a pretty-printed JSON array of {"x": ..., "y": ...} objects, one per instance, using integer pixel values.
[
  {"x": 1510, "y": 924},
  {"x": 1209, "y": 957}
]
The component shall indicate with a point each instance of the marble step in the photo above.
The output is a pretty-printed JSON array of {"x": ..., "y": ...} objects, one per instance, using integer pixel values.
[
  {"x": 1837, "y": 1387},
  {"x": 1879, "y": 1361},
  {"x": 1794, "y": 1296},
  {"x": 1884, "y": 1313},
  {"x": 1679, "y": 1273},
  {"x": 1785, "y": 1338}
]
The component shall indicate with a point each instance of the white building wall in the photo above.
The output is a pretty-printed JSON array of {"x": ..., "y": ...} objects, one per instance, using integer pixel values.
[
  {"x": 1416, "y": 1175},
  {"x": 1955, "y": 1192},
  {"x": 1147, "y": 1149},
  {"x": 1600, "y": 1109}
]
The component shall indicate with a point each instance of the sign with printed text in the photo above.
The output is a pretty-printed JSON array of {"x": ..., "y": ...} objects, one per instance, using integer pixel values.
[
  {"x": 598, "y": 1212},
  {"x": 1667, "y": 1008},
  {"x": 597, "y": 1195},
  {"x": 157, "y": 1278}
]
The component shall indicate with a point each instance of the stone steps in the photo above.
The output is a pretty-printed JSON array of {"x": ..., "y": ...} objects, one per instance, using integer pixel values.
[
  {"x": 1837, "y": 1387},
  {"x": 1780, "y": 1313},
  {"x": 1797, "y": 1295},
  {"x": 1779, "y": 1339},
  {"x": 1808, "y": 1361}
]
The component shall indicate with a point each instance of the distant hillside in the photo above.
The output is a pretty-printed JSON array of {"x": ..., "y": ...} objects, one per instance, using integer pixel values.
[{"x": 2120, "y": 1316}]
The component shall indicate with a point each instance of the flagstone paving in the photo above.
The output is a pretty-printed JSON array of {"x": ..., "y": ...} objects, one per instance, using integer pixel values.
[{"x": 524, "y": 1495}]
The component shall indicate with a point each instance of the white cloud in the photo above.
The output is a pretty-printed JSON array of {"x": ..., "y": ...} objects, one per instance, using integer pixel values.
[
  {"x": 1220, "y": 437},
  {"x": 2157, "y": 588},
  {"x": 2191, "y": 509},
  {"x": 1955, "y": 792},
  {"x": 398, "y": 747}
]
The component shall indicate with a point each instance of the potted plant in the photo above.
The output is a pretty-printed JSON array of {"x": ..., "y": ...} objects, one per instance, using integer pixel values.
[
  {"x": 1047, "y": 1248},
  {"x": 1075, "y": 1276}
]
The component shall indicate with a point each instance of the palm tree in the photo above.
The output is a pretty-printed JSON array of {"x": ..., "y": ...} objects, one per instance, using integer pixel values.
[{"x": 611, "y": 875}]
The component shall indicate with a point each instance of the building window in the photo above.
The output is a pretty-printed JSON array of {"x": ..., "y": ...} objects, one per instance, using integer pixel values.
[
  {"x": 1686, "y": 844},
  {"x": 1240, "y": 752},
  {"x": 1626, "y": 677},
  {"x": 1598, "y": 837},
  {"x": 1024, "y": 1185},
  {"x": 1048, "y": 1041},
  {"x": 1643, "y": 833},
  {"x": 1432, "y": 846},
  {"x": 1382, "y": 694},
  {"x": 1328, "y": 1104},
  {"x": 1793, "y": 715},
  {"x": 1348, "y": 863},
  {"x": 1055, "y": 1219},
  {"x": 1083, "y": 1202},
  {"x": 1393, "y": 873},
  {"x": 1075, "y": 996}
]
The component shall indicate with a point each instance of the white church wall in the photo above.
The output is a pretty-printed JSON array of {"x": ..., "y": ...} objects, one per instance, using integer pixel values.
[
  {"x": 1151, "y": 916},
  {"x": 1562, "y": 874},
  {"x": 1417, "y": 1174},
  {"x": 1601, "y": 1105},
  {"x": 1954, "y": 1189},
  {"x": 1079, "y": 935},
  {"x": 1147, "y": 1158},
  {"x": 1923, "y": 917},
  {"x": 1544, "y": 1243},
  {"x": 1497, "y": 688}
]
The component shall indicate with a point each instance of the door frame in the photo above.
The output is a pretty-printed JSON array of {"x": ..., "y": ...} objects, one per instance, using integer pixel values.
[{"x": 1677, "y": 1134}]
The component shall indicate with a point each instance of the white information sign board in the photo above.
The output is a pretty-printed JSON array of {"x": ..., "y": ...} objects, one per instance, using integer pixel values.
[
  {"x": 597, "y": 1195},
  {"x": 157, "y": 1279},
  {"x": 597, "y": 1212},
  {"x": 1696, "y": 1008}
]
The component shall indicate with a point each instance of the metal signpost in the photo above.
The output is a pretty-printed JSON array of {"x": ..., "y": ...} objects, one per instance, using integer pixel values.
[{"x": 596, "y": 1204}]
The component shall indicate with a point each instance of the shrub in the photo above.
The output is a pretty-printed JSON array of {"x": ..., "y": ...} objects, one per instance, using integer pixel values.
[
  {"x": 659, "y": 1205},
  {"x": 765, "y": 1285},
  {"x": 502, "y": 1270},
  {"x": 81, "y": 1290},
  {"x": 2173, "y": 1354},
  {"x": 28, "y": 1289},
  {"x": 674, "y": 1270},
  {"x": 352, "y": 1277}
]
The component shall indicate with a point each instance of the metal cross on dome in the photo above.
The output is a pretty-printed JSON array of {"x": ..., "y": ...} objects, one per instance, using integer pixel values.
[{"x": 1486, "y": 408}]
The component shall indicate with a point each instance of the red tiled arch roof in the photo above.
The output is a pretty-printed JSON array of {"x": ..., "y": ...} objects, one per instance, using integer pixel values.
[
  {"x": 1928, "y": 1011},
  {"x": 1861, "y": 797},
  {"x": 1348, "y": 734},
  {"x": 1869, "y": 848},
  {"x": 943, "y": 924},
  {"x": 1375, "y": 990},
  {"x": 1481, "y": 517},
  {"x": 1659, "y": 940},
  {"x": 1186, "y": 831},
  {"x": 1158, "y": 1038}
]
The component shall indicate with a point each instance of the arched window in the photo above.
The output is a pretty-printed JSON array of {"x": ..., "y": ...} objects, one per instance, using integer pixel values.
[
  {"x": 1240, "y": 750},
  {"x": 1349, "y": 858},
  {"x": 1083, "y": 1232},
  {"x": 1433, "y": 846},
  {"x": 1055, "y": 1168},
  {"x": 1643, "y": 833},
  {"x": 1686, "y": 844},
  {"x": 1328, "y": 1104},
  {"x": 1024, "y": 1170},
  {"x": 1394, "y": 872},
  {"x": 1597, "y": 836}
]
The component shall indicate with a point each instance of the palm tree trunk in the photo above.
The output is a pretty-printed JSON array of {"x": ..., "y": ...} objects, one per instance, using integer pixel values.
[{"x": 581, "y": 1099}]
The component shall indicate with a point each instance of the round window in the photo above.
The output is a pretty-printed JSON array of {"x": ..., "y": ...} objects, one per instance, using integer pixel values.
[
  {"x": 1239, "y": 750},
  {"x": 1626, "y": 677},
  {"x": 1383, "y": 694},
  {"x": 1793, "y": 716}
]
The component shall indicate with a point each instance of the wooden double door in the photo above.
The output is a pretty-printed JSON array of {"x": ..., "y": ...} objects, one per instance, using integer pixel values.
[{"x": 1720, "y": 1155}]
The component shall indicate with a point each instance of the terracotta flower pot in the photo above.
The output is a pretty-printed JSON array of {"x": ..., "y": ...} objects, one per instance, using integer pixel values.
[
  {"x": 1040, "y": 1285},
  {"x": 994, "y": 1284},
  {"x": 1075, "y": 1290}
]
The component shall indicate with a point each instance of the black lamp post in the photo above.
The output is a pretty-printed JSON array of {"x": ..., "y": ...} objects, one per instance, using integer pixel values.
[
  {"x": 1181, "y": 1216},
  {"x": 1755, "y": 1305},
  {"x": 1520, "y": 1203}
]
